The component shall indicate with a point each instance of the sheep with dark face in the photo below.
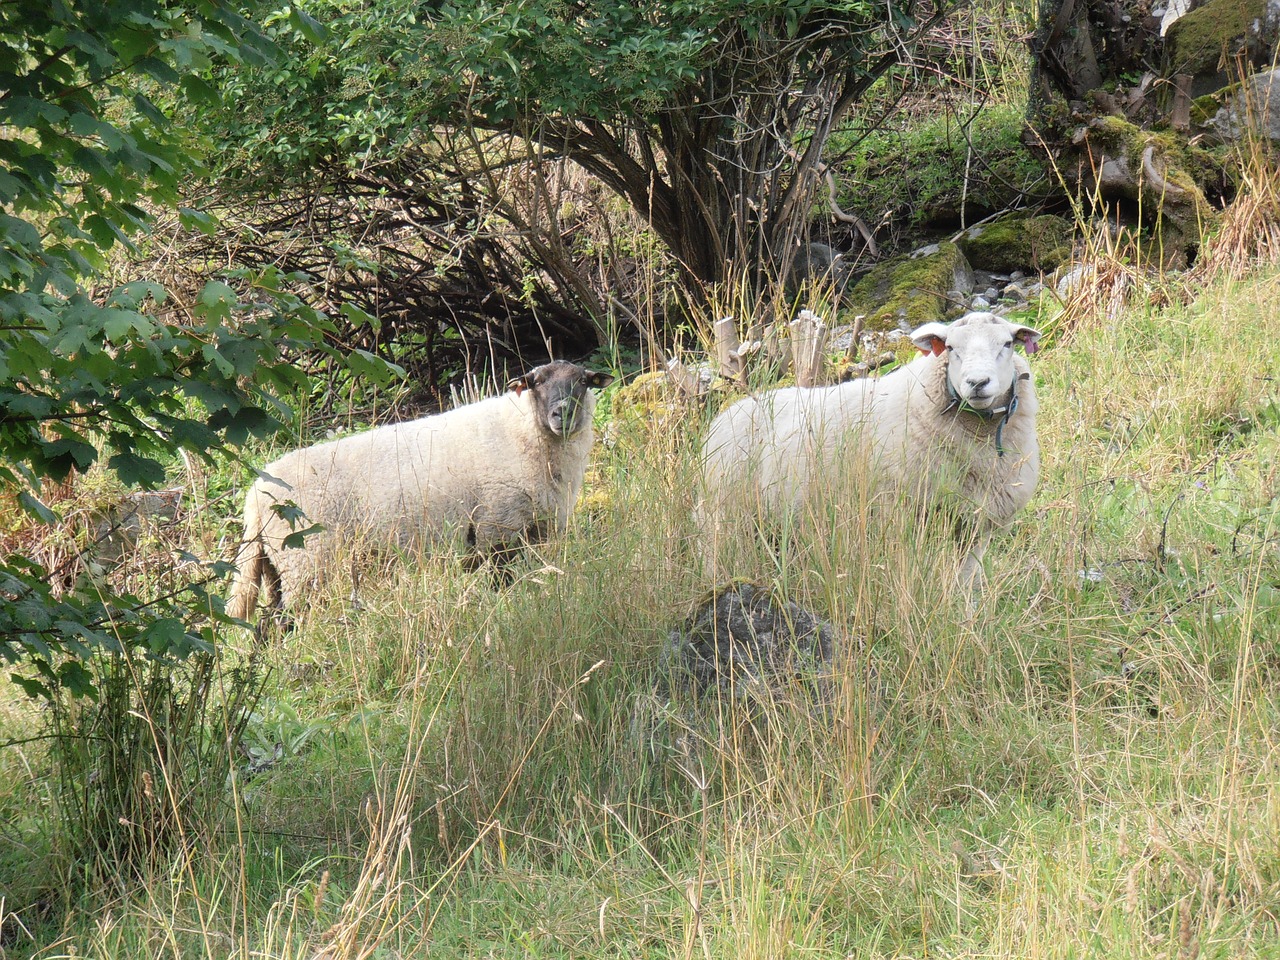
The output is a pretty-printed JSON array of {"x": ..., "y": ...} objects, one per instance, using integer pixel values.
[
  {"x": 489, "y": 475},
  {"x": 958, "y": 421}
]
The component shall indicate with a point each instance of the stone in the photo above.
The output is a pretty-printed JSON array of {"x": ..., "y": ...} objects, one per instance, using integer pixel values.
[
  {"x": 1254, "y": 108},
  {"x": 1019, "y": 242},
  {"x": 816, "y": 264},
  {"x": 905, "y": 292},
  {"x": 1072, "y": 278},
  {"x": 747, "y": 646},
  {"x": 1195, "y": 41},
  {"x": 118, "y": 528}
]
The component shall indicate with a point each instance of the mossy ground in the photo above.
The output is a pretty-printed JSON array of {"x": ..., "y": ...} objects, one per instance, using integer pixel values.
[{"x": 949, "y": 170}]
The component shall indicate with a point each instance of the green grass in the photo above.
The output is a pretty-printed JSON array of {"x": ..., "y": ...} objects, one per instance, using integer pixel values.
[{"x": 1087, "y": 767}]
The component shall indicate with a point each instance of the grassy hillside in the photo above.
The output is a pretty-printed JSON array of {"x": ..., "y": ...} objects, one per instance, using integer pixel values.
[{"x": 1088, "y": 766}]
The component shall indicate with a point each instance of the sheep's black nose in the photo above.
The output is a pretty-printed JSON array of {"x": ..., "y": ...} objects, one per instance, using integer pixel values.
[
  {"x": 563, "y": 416},
  {"x": 978, "y": 383}
]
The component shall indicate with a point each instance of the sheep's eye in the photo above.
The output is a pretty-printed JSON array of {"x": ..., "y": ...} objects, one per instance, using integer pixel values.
[{"x": 1008, "y": 344}]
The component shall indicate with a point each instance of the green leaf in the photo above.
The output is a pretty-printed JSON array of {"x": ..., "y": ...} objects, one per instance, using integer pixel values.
[
  {"x": 75, "y": 678},
  {"x": 149, "y": 110},
  {"x": 165, "y": 635},
  {"x": 365, "y": 364},
  {"x": 36, "y": 508},
  {"x": 298, "y": 537},
  {"x": 245, "y": 422},
  {"x": 215, "y": 302},
  {"x": 118, "y": 324},
  {"x": 131, "y": 469},
  {"x": 21, "y": 111},
  {"x": 357, "y": 317},
  {"x": 157, "y": 69},
  {"x": 307, "y": 25},
  {"x": 192, "y": 219},
  {"x": 32, "y": 687},
  {"x": 200, "y": 92}
]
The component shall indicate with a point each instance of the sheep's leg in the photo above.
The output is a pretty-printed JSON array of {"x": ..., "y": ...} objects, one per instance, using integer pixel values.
[
  {"x": 272, "y": 594},
  {"x": 539, "y": 531},
  {"x": 500, "y": 548},
  {"x": 972, "y": 575}
]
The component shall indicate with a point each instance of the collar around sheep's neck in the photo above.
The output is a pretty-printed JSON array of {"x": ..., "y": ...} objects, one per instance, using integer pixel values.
[{"x": 959, "y": 405}]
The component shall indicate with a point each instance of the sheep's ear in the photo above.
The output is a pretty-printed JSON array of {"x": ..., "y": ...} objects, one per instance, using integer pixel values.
[
  {"x": 597, "y": 379},
  {"x": 930, "y": 338},
  {"x": 1029, "y": 337},
  {"x": 528, "y": 381}
]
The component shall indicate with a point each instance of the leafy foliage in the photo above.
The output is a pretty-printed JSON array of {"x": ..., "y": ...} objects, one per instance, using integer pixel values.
[
  {"x": 129, "y": 374},
  {"x": 709, "y": 118},
  {"x": 440, "y": 137}
]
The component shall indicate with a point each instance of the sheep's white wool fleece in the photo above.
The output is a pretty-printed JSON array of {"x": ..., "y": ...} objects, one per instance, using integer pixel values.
[
  {"x": 485, "y": 471},
  {"x": 772, "y": 448}
]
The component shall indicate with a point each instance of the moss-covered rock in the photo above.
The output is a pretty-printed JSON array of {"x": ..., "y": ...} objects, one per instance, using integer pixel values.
[
  {"x": 902, "y": 293},
  {"x": 649, "y": 401},
  {"x": 1205, "y": 107},
  {"x": 1019, "y": 242},
  {"x": 1241, "y": 109},
  {"x": 1163, "y": 172},
  {"x": 1196, "y": 41}
]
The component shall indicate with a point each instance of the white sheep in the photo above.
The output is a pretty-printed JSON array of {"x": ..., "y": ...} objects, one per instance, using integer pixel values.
[
  {"x": 490, "y": 475},
  {"x": 959, "y": 421}
]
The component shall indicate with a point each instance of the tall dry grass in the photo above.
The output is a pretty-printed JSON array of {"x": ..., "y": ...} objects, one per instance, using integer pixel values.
[{"x": 1086, "y": 767}]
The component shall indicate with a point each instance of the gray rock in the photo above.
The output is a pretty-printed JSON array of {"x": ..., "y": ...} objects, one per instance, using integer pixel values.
[
  {"x": 980, "y": 303},
  {"x": 744, "y": 645},
  {"x": 1071, "y": 279},
  {"x": 962, "y": 277},
  {"x": 841, "y": 338},
  {"x": 1255, "y": 109},
  {"x": 117, "y": 529},
  {"x": 817, "y": 263}
]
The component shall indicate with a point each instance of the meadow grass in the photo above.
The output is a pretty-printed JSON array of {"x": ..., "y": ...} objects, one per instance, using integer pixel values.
[{"x": 1086, "y": 767}]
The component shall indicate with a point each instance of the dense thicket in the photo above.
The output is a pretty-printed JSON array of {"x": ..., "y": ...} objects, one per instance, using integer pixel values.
[{"x": 426, "y": 163}]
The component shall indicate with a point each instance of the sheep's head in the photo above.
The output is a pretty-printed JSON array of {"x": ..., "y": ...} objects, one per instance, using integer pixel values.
[
  {"x": 979, "y": 353},
  {"x": 559, "y": 392}
]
